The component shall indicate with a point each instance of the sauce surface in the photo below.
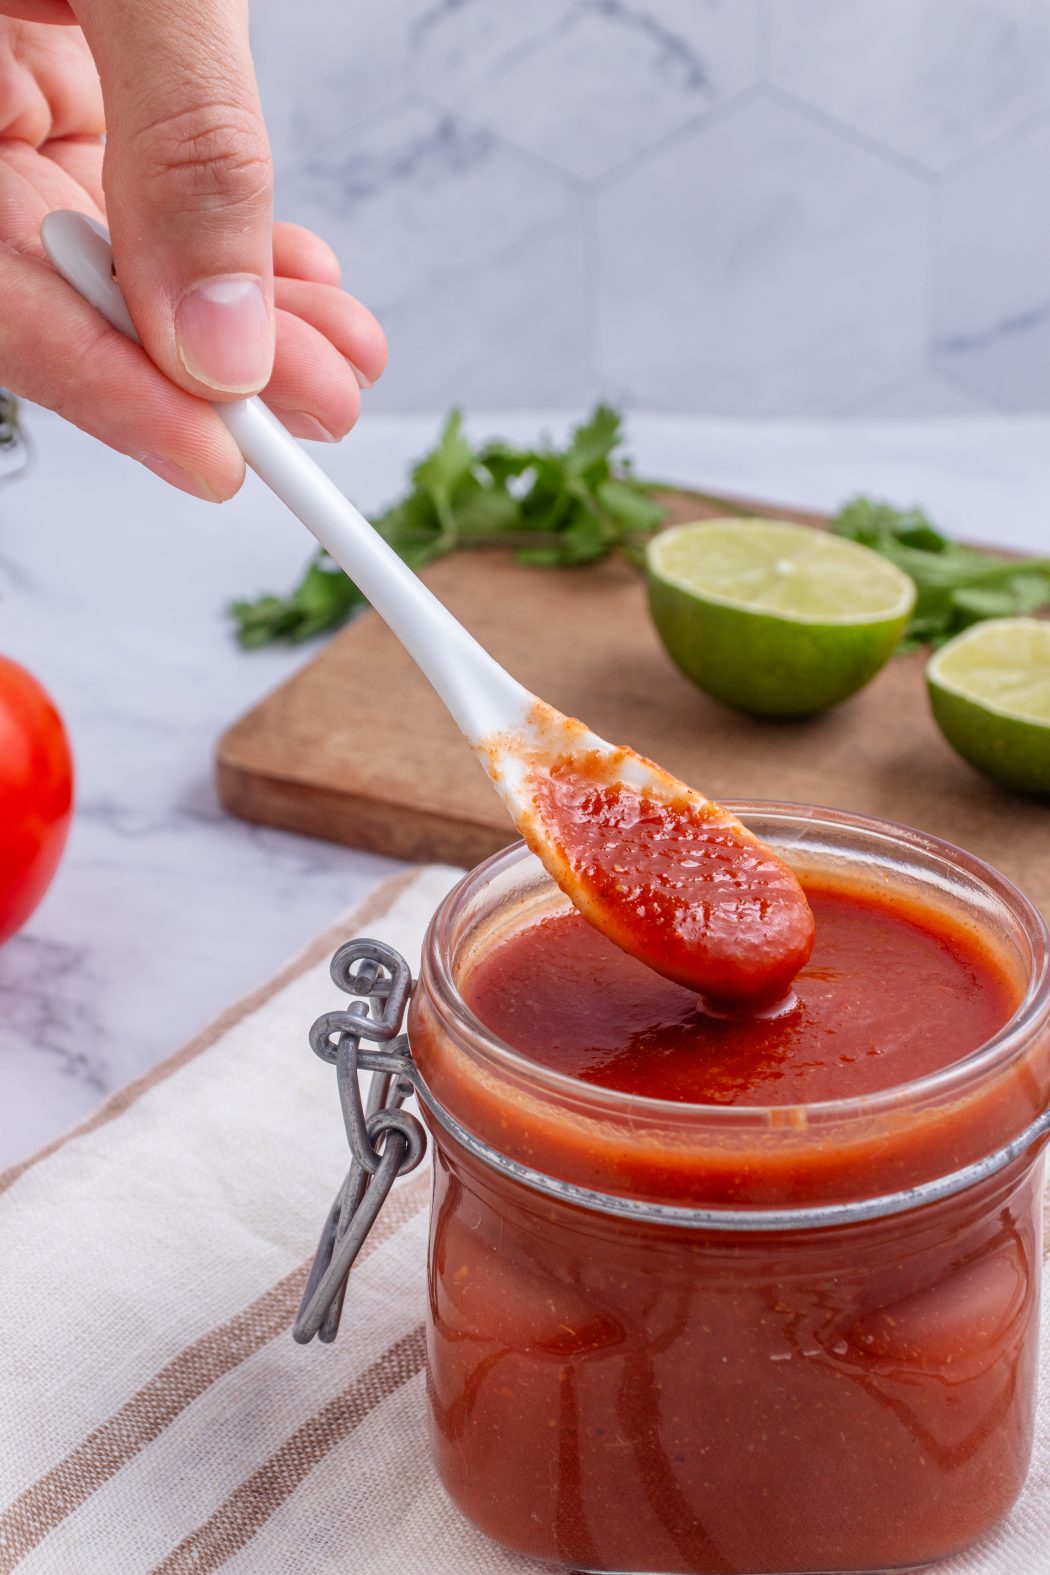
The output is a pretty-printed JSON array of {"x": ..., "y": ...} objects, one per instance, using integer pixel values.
[
  {"x": 889, "y": 994},
  {"x": 679, "y": 884}
]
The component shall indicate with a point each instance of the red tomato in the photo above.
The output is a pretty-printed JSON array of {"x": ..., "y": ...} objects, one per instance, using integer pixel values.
[{"x": 36, "y": 793}]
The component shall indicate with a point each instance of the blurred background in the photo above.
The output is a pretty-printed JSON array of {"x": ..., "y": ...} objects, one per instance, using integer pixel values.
[{"x": 743, "y": 207}]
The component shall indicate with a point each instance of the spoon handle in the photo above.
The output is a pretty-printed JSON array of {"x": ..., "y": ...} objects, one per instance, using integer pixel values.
[{"x": 480, "y": 695}]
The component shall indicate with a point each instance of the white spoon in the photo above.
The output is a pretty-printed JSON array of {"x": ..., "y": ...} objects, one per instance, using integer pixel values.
[{"x": 665, "y": 873}]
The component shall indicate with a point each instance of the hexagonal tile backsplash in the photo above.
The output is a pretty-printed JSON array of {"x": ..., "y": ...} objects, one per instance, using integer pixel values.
[{"x": 742, "y": 206}]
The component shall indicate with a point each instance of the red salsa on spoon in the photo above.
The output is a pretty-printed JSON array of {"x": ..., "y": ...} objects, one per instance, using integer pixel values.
[
  {"x": 669, "y": 876},
  {"x": 694, "y": 896}
]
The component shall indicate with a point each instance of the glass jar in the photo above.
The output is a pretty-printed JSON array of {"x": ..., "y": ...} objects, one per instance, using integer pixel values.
[{"x": 683, "y": 1338}]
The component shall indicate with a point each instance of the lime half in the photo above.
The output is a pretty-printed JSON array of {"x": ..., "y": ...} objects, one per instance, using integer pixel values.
[
  {"x": 775, "y": 619},
  {"x": 990, "y": 692}
]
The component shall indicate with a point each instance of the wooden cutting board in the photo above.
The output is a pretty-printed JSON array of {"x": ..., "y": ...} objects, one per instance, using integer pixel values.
[{"x": 356, "y": 747}]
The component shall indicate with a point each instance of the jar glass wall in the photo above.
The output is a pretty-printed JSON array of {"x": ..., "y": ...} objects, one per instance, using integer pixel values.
[{"x": 679, "y": 1338}]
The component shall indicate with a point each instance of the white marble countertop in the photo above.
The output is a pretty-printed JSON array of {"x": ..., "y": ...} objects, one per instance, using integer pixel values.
[{"x": 114, "y": 589}]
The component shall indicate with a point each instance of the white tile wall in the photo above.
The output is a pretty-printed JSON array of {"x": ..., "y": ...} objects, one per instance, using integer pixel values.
[
  {"x": 798, "y": 285},
  {"x": 612, "y": 81},
  {"x": 991, "y": 253},
  {"x": 740, "y": 206},
  {"x": 934, "y": 80}
]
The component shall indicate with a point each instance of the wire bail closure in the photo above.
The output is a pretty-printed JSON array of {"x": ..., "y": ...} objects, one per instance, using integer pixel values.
[{"x": 385, "y": 1141}]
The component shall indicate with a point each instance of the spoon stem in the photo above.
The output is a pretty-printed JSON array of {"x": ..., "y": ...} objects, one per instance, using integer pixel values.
[{"x": 479, "y": 694}]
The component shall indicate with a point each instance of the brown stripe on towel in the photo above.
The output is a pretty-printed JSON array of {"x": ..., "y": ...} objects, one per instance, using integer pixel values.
[
  {"x": 378, "y": 902},
  {"x": 51, "y": 1498},
  {"x": 250, "y": 1506}
]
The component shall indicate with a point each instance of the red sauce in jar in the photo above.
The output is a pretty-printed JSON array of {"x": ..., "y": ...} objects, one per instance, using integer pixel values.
[
  {"x": 617, "y": 1394},
  {"x": 887, "y": 996},
  {"x": 678, "y": 883}
]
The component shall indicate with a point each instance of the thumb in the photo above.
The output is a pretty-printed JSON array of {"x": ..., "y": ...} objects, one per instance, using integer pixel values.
[{"x": 189, "y": 186}]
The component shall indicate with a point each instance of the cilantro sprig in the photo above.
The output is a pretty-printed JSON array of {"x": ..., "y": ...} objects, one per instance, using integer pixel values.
[
  {"x": 554, "y": 507},
  {"x": 957, "y": 585},
  {"x": 558, "y": 507}
]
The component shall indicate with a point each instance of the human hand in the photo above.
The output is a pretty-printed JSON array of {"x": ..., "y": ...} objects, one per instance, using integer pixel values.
[{"x": 225, "y": 301}]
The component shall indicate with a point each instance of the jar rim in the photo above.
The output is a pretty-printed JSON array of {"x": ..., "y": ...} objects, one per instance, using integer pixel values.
[{"x": 1031, "y": 1015}]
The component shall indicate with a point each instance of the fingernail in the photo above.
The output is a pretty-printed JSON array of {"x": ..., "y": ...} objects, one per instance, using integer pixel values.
[
  {"x": 185, "y": 480},
  {"x": 303, "y": 424},
  {"x": 223, "y": 333},
  {"x": 362, "y": 380}
]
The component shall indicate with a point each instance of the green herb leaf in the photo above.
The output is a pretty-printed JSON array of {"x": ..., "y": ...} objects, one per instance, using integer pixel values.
[
  {"x": 555, "y": 507},
  {"x": 593, "y": 443},
  {"x": 445, "y": 469},
  {"x": 485, "y": 515},
  {"x": 630, "y": 506},
  {"x": 323, "y": 598},
  {"x": 957, "y": 585}
]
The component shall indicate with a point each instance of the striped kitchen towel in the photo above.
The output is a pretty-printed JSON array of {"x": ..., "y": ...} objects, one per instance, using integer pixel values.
[{"x": 155, "y": 1413}]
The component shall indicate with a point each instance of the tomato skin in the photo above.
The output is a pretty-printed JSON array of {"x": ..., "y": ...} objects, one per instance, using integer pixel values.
[{"x": 36, "y": 793}]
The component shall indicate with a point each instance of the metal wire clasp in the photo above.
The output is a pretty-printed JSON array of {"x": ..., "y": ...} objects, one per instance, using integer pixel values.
[{"x": 386, "y": 1142}]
